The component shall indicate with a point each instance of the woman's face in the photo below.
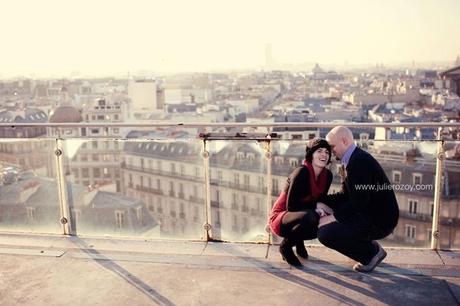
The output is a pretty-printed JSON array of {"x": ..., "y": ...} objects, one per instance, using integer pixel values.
[{"x": 321, "y": 157}]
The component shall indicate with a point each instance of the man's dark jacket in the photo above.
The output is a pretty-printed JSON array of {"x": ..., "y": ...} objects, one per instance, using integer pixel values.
[{"x": 379, "y": 208}]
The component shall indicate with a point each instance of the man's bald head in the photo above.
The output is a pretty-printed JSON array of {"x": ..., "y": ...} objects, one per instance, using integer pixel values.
[{"x": 340, "y": 138}]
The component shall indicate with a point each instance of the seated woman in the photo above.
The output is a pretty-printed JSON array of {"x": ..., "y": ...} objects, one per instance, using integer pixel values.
[{"x": 295, "y": 214}]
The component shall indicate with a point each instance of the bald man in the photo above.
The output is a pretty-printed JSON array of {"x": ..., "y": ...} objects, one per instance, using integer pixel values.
[{"x": 361, "y": 215}]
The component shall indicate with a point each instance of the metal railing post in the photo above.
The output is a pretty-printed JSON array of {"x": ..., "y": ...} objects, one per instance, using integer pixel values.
[
  {"x": 62, "y": 187},
  {"x": 268, "y": 158},
  {"x": 440, "y": 156},
  {"x": 207, "y": 188}
]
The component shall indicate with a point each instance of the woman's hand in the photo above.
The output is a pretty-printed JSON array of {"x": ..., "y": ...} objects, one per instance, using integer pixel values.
[{"x": 324, "y": 208}]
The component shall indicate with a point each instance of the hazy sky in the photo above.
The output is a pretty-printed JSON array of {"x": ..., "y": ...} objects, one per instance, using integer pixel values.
[{"x": 57, "y": 37}]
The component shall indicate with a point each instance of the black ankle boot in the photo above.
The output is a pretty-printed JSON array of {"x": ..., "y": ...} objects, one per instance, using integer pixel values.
[
  {"x": 288, "y": 254},
  {"x": 301, "y": 250}
]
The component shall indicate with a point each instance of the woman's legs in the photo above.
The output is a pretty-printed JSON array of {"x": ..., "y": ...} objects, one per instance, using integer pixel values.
[
  {"x": 295, "y": 228},
  {"x": 300, "y": 225}
]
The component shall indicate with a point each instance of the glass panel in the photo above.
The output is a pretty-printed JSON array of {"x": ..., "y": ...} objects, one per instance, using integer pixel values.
[
  {"x": 141, "y": 188},
  {"x": 449, "y": 221},
  {"x": 410, "y": 167},
  {"x": 238, "y": 190},
  {"x": 29, "y": 197}
]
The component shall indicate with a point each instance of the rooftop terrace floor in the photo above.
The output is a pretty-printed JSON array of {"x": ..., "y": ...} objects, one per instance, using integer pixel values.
[{"x": 56, "y": 270}]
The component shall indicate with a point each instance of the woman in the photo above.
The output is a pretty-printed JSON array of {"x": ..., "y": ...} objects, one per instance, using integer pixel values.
[{"x": 295, "y": 214}]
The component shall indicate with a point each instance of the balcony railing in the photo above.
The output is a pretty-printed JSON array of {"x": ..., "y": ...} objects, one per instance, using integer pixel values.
[
  {"x": 163, "y": 173},
  {"x": 149, "y": 189},
  {"x": 39, "y": 198},
  {"x": 242, "y": 187},
  {"x": 196, "y": 199}
]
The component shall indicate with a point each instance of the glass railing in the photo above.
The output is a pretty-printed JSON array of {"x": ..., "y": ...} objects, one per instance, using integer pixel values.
[
  {"x": 238, "y": 179},
  {"x": 139, "y": 187},
  {"x": 410, "y": 167},
  {"x": 29, "y": 189},
  {"x": 203, "y": 188},
  {"x": 449, "y": 213}
]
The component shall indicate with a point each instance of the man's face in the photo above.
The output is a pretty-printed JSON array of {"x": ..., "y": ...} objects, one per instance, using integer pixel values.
[{"x": 337, "y": 146}]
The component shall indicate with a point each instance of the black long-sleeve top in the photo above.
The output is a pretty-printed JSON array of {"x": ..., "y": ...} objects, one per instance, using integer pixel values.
[{"x": 298, "y": 189}]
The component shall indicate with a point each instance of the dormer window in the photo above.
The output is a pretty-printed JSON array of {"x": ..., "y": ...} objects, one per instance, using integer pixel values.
[
  {"x": 250, "y": 156},
  {"x": 296, "y": 136},
  {"x": 240, "y": 155},
  {"x": 417, "y": 178},
  {"x": 396, "y": 177},
  {"x": 364, "y": 136},
  {"x": 279, "y": 160},
  {"x": 294, "y": 162}
]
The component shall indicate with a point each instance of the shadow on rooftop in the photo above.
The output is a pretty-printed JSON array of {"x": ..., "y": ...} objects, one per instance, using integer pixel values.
[
  {"x": 399, "y": 286},
  {"x": 108, "y": 264}
]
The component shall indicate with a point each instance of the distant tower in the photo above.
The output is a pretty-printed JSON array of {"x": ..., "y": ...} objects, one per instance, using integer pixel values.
[
  {"x": 143, "y": 94},
  {"x": 457, "y": 61},
  {"x": 268, "y": 56}
]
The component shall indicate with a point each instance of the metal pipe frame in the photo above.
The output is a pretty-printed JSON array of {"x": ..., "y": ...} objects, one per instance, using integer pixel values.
[
  {"x": 440, "y": 156},
  {"x": 64, "y": 207},
  {"x": 250, "y": 125},
  {"x": 62, "y": 187}
]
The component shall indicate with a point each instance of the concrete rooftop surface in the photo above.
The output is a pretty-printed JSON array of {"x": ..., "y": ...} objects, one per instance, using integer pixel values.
[{"x": 60, "y": 270}]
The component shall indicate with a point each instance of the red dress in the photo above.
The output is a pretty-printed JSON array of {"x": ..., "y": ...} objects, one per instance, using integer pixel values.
[{"x": 315, "y": 187}]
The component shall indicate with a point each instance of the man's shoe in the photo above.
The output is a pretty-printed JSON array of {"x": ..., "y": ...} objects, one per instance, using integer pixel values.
[
  {"x": 288, "y": 254},
  {"x": 301, "y": 250},
  {"x": 381, "y": 254}
]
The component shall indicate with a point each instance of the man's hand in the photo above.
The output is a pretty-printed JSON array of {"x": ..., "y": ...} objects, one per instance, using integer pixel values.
[
  {"x": 325, "y": 208},
  {"x": 321, "y": 212},
  {"x": 326, "y": 220}
]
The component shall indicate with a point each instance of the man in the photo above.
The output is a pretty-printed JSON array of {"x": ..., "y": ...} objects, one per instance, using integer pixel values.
[{"x": 364, "y": 211}]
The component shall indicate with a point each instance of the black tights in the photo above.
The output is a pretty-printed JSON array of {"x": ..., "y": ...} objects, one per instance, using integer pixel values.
[{"x": 300, "y": 225}]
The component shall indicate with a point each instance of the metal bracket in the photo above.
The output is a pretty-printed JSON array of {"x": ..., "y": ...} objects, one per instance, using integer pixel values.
[{"x": 441, "y": 156}]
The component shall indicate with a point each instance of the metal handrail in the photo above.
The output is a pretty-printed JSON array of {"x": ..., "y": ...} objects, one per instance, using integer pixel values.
[{"x": 234, "y": 124}]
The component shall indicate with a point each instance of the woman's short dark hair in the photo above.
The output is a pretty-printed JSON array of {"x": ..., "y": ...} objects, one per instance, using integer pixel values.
[{"x": 313, "y": 145}]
